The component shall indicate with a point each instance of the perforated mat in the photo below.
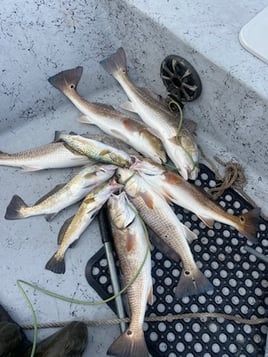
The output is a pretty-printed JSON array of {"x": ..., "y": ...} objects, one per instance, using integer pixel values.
[{"x": 240, "y": 288}]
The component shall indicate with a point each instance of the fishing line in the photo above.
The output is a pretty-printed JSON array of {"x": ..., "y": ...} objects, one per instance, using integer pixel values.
[
  {"x": 35, "y": 325},
  {"x": 180, "y": 111},
  {"x": 179, "y": 129},
  {"x": 76, "y": 301}
]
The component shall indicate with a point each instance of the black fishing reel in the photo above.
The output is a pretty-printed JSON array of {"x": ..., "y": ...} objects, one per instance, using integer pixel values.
[{"x": 181, "y": 80}]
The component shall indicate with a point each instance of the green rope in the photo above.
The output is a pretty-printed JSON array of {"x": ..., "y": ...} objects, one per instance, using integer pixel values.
[
  {"x": 181, "y": 115},
  {"x": 33, "y": 316},
  {"x": 76, "y": 301},
  {"x": 128, "y": 179},
  {"x": 194, "y": 164},
  {"x": 82, "y": 302}
]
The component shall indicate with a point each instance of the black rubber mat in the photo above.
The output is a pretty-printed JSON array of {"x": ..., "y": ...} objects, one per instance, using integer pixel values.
[{"x": 240, "y": 283}]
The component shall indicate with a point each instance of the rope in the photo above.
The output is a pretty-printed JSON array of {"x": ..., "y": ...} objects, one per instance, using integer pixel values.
[
  {"x": 234, "y": 176},
  {"x": 168, "y": 318}
]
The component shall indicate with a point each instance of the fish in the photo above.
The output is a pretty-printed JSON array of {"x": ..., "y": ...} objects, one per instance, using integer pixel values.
[
  {"x": 109, "y": 120},
  {"x": 117, "y": 143},
  {"x": 160, "y": 217},
  {"x": 194, "y": 199},
  {"x": 130, "y": 240},
  {"x": 76, "y": 225},
  {"x": 94, "y": 149},
  {"x": 180, "y": 146},
  {"x": 50, "y": 156},
  {"x": 62, "y": 195}
]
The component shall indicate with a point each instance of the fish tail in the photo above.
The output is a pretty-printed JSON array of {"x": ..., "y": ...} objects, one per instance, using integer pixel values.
[
  {"x": 57, "y": 136},
  {"x": 129, "y": 344},
  {"x": 115, "y": 63},
  {"x": 68, "y": 79},
  {"x": 247, "y": 224},
  {"x": 192, "y": 282},
  {"x": 56, "y": 264},
  {"x": 13, "y": 210}
]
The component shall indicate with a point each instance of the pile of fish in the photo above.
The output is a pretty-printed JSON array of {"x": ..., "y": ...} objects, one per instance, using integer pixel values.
[{"x": 127, "y": 167}]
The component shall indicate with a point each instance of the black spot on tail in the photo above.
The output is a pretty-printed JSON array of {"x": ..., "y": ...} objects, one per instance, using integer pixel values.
[
  {"x": 129, "y": 344},
  {"x": 68, "y": 79},
  {"x": 192, "y": 282}
]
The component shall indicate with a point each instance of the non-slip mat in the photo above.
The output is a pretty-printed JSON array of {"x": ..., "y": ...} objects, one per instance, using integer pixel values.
[{"x": 240, "y": 283}]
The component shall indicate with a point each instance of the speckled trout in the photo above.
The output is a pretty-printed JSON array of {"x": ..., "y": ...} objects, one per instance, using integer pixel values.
[
  {"x": 109, "y": 120},
  {"x": 62, "y": 195},
  {"x": 159, "y": 216},
  {"x": 194, "y": 199},
  {"x": 50, "y": 156},
  {"x": 180, "y": 147},
  {"x": 131, "y": 243},
  {"x": 77, "y": 224},
  {"x": 94, "y": 149}
]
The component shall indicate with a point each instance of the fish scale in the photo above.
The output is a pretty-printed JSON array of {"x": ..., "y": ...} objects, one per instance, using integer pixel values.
[
  {"x": 180, "y": 146},
  {"x": 130, "y": 240},
  {"x": 159, "y": 216},
  {"x": 64, "y": 195},
  {"x": 108, "y": 119},
  {"x": 50, "y": 156},
  {"x": 166, "y": 226}
]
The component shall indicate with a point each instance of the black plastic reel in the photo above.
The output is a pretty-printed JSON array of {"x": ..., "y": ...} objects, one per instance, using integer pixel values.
[
  {"x": 240, "y": 283},
  {"x": 180, "y": 78}
]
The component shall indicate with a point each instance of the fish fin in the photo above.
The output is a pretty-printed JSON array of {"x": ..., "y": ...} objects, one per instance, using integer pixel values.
[
  {"x": 68, "y": 79},
  {"x": 128, "y": 106},
  {"x": 129, "y": 344},
  {"x": 164, "y": 248},
  {"x": 149, "y": 92},
  {"x": 190, "y": 125},
  {"x": 55, "y": 265},
  {"x": 57, "y": 136},
  {"x": 74, "y": 152},
  {"x": 194, "y": 173},
  {"x": 115, "y": 63},
  {"x": 172, "y": 178},
  {"x": 49, "y": 217},
  {"x": 192, "y": 283},
  {"x": 105, "y": 152},
  {"x": 30, "y": 168},
  {"x": 50, "y": 193},
  {"x": 63, "y": 229},
  {"x": 154, "y": 132},
  {"x": 130, "y": 125},
  {"x": 209, "y": 222},
  {"x": 184, "y": 173},
  {"x": 118, "y": 134},
  {"x": 85, "y": 119},
  {"x": 14, "y": 207},
  {"x": 130, "y": 243},
  {"x": 148, "y": 199},
  {"x": 189, "y": 235},
  {"x": 150, "y": 296},
  {"x": 247, "y": 224}
]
